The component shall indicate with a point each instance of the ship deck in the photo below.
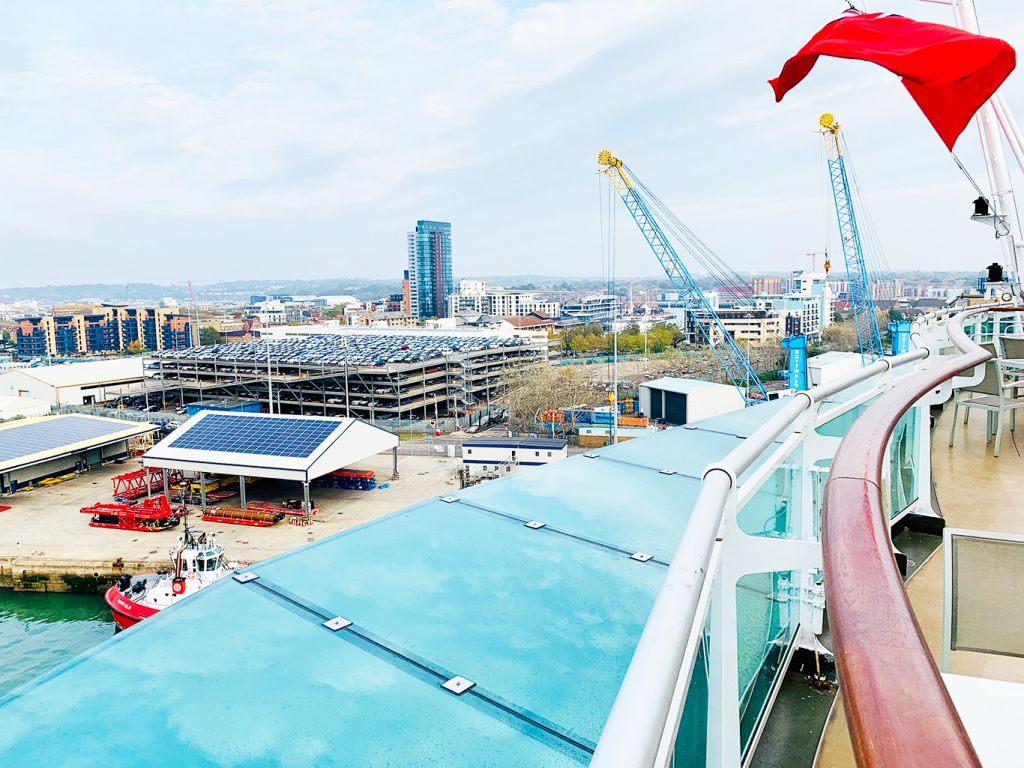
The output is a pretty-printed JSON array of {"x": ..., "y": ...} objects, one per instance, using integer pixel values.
[{"x": 974, "y": 491}]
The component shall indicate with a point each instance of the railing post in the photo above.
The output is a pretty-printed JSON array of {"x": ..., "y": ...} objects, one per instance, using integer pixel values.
[{"x": 724, "y": 748}]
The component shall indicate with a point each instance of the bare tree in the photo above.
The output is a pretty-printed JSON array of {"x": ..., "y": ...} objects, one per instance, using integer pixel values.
[{"x": 531, "y": 390}]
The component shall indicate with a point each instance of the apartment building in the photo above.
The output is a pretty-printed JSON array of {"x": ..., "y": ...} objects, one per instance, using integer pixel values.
[
  {"x": 98, "y": 330},
  {"x": 476, "y": 296}
]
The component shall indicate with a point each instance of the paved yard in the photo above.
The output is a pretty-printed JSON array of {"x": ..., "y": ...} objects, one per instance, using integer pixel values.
[{"x": 45, "y": 525}]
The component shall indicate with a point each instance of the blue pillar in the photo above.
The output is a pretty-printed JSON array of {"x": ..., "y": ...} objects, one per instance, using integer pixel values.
[
  {"x": 900, "y": 333},
  {"x": 797, "y": 347}
]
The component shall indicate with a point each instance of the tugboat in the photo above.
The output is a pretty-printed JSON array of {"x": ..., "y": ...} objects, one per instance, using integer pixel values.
[{"x": 197, "y": 562}]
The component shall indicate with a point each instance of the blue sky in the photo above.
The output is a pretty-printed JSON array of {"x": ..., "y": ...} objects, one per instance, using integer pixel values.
[{"x": 232, "y": 139}]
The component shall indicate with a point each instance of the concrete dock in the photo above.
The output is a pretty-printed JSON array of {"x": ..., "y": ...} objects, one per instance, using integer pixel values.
[{"x": 47, "y": 544}]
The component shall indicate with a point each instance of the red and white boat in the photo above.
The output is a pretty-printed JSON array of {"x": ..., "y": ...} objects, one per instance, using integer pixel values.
[{"x": 197, "y": 562}]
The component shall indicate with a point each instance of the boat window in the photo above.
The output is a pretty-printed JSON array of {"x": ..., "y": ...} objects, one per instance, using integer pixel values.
[{"x": 200, "y": 564}]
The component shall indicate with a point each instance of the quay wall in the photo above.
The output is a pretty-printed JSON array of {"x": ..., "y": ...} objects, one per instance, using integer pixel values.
[{"x": 82, "y": 576}]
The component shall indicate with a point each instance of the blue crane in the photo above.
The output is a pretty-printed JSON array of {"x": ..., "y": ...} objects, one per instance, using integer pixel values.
[
  {"x": 869, "y": 340},
  {"x": 642, "y": 205}
]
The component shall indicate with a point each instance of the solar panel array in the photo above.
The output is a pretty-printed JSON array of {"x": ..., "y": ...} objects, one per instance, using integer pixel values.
[
  {"x": 53, "y": 433},
  {"x": 337, "y": 350},
  {"x": 289, "y": 438}
]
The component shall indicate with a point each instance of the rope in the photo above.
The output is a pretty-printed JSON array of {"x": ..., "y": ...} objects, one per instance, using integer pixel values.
[
  {"x": 600, "y": 214},
  {"x": 968, "y": 175}
]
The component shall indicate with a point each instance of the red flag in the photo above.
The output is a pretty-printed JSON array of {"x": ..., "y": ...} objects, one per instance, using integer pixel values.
[{"x": 948, "y": 72}]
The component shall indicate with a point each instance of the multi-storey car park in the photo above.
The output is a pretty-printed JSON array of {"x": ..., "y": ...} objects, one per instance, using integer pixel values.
[{"x": 372, "y": 376}]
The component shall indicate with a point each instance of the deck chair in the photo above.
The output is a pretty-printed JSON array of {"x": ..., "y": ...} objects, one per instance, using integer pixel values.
[{"x": 994, "y": 394}]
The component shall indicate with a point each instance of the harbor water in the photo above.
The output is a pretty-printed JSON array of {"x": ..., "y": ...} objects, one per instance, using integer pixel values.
[{"x": 38, "y": 631}]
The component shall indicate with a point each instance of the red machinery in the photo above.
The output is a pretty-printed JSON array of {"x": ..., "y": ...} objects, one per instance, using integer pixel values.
[
  {"x": 153, "y": 514},
  {"x": 133, "y": 485}
]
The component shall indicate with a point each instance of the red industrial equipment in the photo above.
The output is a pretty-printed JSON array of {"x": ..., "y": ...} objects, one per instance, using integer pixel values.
[
  {"x": 133, "y": 485},
  {"x": 155, "y": 514}
]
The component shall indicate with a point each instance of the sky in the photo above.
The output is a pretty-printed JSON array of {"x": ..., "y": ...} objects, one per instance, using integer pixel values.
[{"x": 214, "y": 140}]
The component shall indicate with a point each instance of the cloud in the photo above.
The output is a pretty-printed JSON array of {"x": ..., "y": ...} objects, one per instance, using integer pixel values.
[{"x": 179, "y": 125}]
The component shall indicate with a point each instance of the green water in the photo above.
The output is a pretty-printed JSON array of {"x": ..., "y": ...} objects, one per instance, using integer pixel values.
[{"x": 40, "y": 630}]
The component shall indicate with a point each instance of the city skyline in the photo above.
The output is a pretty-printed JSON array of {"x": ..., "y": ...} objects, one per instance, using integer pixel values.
[{"x": 208, "y": 144}]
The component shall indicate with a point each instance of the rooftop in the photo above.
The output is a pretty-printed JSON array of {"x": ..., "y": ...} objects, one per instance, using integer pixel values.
[
  {"x": 93, "y": 372},
  {"x": 683, "y": 386},
  {"x": 368, "y": 348},
  {"x": 24, "y": 442},
  {"x": 268, "y": 445},
  {"x": 540, "y": 442}
]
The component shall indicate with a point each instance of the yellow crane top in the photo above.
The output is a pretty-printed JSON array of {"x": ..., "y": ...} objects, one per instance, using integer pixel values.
[
  {"x": 828, "y": 122},
  {"x": 612, "y": 166}
]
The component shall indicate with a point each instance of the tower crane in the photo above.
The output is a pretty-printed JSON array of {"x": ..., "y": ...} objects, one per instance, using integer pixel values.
[
  {"x": 646, "y": 210},
  {"x": 869, "y": 340}
]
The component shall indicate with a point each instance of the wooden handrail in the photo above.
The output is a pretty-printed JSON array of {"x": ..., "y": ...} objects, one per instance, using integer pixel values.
[{"x": 897, "y": 706}]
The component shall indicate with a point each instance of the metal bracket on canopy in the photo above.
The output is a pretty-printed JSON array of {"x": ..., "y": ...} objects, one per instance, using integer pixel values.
[
  {"x": 337, "y": 623},
  {"x": 458, "y": 685}
]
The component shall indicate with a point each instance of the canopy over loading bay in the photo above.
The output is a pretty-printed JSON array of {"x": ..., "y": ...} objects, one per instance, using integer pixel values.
[
  {"x": 44, "y": 446},
  {"x": 299, "y": 448}
]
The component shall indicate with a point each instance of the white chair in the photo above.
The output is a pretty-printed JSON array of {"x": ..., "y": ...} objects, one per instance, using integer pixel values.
[{"x": 994, "y": 395}]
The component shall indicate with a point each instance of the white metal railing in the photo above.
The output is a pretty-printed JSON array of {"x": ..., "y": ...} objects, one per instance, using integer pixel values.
[{"x": 642, "y": 726}]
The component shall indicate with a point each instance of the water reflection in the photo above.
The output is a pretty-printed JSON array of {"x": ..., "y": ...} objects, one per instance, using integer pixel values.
[{"x": 38, "y": 631}]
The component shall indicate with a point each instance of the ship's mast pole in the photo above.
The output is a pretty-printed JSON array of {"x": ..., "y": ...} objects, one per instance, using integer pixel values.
[{"x": 989, "y": 125}]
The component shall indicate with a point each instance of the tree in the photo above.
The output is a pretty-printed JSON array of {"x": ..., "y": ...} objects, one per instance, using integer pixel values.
[
  {"x": 531, "y": 390},
  {"x": 895, "y": 315},
  {"x": 336, "y": 311},
  {"x": 135, "y": 347},
  {"x": 840, "y": 337},
  {"x": 210, "y": 335}
]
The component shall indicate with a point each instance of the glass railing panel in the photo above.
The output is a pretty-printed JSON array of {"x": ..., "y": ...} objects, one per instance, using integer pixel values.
[
  {"x": 841, "y": 424},
  {"x": 692, "y": 739},
  {"x": 773, "y": 509},
  {"x": 903, "y": 470},
  {"x": 767, "y": 614}
]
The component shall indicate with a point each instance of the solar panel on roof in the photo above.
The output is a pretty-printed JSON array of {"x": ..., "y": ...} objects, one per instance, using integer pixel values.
[
  {"x": 290, "y": 438},
  {"x": 53, "y": 433}
]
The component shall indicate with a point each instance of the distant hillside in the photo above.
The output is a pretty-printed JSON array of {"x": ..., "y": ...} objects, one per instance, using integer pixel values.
[{"x": 362, "y": 288}]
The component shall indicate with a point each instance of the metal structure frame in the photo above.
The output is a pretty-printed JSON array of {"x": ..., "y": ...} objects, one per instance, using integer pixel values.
[
  {"x": 735, "y": 364},
  {"x": 869, "y": 340},
  {"x": 454, "y": 383}
]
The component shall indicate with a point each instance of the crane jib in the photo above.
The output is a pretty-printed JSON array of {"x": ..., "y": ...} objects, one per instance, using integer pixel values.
[
  {"x": 709, "y": 325},
  {"x": 862, "y": 305}
]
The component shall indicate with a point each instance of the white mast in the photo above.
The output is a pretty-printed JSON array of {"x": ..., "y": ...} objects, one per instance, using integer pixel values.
[{"x": 989, "y": 125}]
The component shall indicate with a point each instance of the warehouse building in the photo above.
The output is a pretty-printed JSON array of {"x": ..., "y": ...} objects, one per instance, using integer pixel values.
[
  {"x": 88, "y": 383},
  {"x": 374, "y": 374},
  {"x": 12, "y": 407},
  {"x": 676, "y": 401},
  {"x": 50, "y": 446}
]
